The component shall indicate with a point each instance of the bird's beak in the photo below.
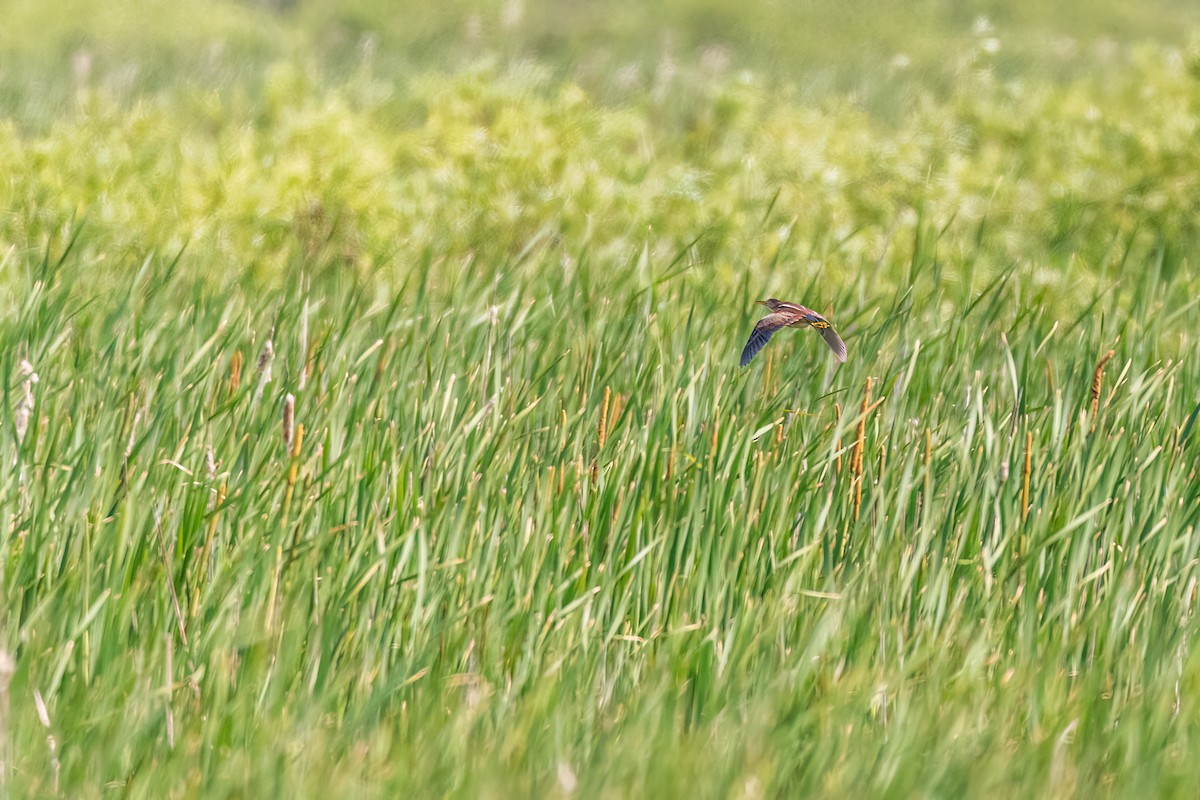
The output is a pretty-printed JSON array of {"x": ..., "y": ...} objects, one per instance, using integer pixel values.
[{"x": 760, "y": 302}]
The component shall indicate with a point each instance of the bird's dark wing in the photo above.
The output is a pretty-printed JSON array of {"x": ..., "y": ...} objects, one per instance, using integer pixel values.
[
  {"x": 762, "y": 334},
  {"x": 827, "y": 333},
  {"x": 834, "y": 341}
]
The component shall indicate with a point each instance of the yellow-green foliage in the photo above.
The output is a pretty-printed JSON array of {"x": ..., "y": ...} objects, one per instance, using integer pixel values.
[{"x": 486, "y": 161}]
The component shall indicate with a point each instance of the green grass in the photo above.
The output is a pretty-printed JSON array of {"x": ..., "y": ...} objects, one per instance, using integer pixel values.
[{"x": 540, "y": 536}]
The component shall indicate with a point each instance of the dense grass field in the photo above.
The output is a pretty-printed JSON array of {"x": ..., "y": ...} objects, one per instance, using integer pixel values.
[{"x": 373, "y": 425}]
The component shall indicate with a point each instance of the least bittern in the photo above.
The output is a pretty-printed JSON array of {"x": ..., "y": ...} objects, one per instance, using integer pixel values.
[{"x": 790, "y": 315}]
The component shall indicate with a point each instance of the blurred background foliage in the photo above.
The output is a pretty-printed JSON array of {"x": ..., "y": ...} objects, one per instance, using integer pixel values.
[
  {"x": 760, "y": 135},
  {"x": 817, "y": 44}
]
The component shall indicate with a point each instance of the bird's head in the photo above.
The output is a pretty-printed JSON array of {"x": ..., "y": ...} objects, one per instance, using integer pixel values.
[{"x": 770, "y": 303}]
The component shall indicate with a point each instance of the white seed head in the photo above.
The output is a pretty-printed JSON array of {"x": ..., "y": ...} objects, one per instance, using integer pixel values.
[{"x": 25, "y": 403}]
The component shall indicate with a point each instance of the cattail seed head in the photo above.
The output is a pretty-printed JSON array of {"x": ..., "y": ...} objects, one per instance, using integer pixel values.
[
  {"x": 602, "y": 432},
  {"x": 263, "y": 370},
  {"x": 289, "y": 419},
  {"x": 235, "y": 372},
  {"x": 1098, "y": 381},
  {"x": 861, "y": 432},
  {"x": 856, "y": 462},
  {"x": 298, "y": 441},
  {"x": 264, "y": 362}
]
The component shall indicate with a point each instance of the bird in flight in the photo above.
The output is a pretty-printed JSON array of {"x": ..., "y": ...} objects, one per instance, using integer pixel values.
[{"x": 790, "y": 315}]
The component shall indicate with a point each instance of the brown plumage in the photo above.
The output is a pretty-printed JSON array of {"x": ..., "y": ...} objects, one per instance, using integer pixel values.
[{"x": 790, "y": 315}]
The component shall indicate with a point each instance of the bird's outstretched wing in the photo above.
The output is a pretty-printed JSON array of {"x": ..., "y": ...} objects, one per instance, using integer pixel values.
[
  {"x": 762, "y": 334},
  {"x": 827, "y": 333},
  {"x": 834, "y": 341}
]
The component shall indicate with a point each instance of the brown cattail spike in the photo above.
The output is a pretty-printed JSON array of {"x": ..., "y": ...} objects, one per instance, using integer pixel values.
[
  {"x": 602, "y": 433},
  {"x": 289, "y": 418},
  {"x": 263, "y": 370},
  {"x": 293, "y": 473},
  {"x": 1098, "y": 382},
  {"x": 859, "y": 447},
  {"x": 235, "y": 372},
  {"x": 296, "y": 444},
  {"x": 264, "y": 361}
]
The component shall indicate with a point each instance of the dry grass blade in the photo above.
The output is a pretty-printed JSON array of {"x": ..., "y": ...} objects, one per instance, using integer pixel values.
[
  {"x": 860, "y": 443},
  {"x": 837, "y": 446},
  {"x": 51, "y": 742},
  {"x": 6, "y": 671},
  {"x": 210, "y": 536},
  {"x": 1025, "y": 472}
]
